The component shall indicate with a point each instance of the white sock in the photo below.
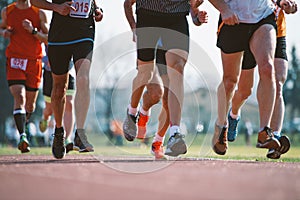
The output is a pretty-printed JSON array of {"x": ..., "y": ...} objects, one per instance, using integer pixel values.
[
  {"x": 174, "y": 129},
  {"x": 132, "y": 111},
  {"x": 234, "y": 116},
  {"x": 147, "y": 113},
  {"x": 158, "y": 138},
  {"x": 277, "y": 133}
]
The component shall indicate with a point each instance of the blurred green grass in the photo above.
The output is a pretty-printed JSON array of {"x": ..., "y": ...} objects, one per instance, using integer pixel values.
[{"x": 199, "y": 147}]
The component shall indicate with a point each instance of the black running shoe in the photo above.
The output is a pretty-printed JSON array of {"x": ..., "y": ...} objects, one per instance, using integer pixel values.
[
  {"x": 58, "y": 145},
  {"x": 284, "y": 147},
  {"x": 81, "y": 143},
  {"x": 69, "y": 147}
]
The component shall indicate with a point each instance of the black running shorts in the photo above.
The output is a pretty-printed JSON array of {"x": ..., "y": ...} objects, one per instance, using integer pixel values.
[
  {"x": 232, "y": 39},
  {"x": 173, "y": 32},
  {"x": 61, "y": 55},
  {"x": 280, "y": 52},
  {"x": 47, "y": 83}
]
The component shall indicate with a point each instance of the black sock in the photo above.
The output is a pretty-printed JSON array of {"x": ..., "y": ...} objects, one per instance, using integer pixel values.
[
  {"x": 20, "y": 119},
  {"x": 28, "y": 115}
]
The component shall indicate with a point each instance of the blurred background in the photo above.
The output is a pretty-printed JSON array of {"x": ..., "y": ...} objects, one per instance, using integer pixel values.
[{"x": 114, "y": 67}]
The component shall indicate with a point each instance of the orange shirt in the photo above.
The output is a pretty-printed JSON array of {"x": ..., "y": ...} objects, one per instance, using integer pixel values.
[{"x": 22, "y": 43}]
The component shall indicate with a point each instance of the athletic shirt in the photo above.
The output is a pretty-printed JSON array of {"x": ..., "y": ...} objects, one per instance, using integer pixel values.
[
  {"x": 69, "y": 30},
  {"x": 162, "y": 7},
  {"x": 251, "y": 11},
  {"x": 22, "y": 43}
]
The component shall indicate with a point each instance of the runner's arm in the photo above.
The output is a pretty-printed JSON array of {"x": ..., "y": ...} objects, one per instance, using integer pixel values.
[
  {"x": 4, "y": 30},
  {"x": 62, "y": 9}
]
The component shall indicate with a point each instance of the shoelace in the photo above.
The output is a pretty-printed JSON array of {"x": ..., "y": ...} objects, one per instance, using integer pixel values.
[
  {"x": 233, "y": 123},
  {"x": 222, "y": 137}
]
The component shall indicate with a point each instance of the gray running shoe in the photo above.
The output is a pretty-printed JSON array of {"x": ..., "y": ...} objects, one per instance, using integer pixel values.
[
  {"x": 130, "y": 127},
  {"x": 81, "y": 143},
  {"x": 58, "y": 145},
  {"x": 176, "y": 145}
]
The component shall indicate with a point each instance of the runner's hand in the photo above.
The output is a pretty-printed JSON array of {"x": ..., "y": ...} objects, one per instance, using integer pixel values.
[
  {"x": 64, "y": 8},
  {"x": 98, "y": 14}
]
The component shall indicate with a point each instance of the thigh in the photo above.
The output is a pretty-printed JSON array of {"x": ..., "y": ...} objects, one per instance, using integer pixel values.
[
  {"x": 232, "y": 39},
  {"x": 262, "y": 44},
  {"x": 248, "y": 60},
  {"x": 161, "y": 62},
  {"x": 59, "y": 58},
  {"x": 33, "y": 74},
  {"x": 263, "y": 40},
  {"x": 82, "y": 50},
  {"x": 148, "y": 34},
  {"x": 176, "y": 34},
  {"x": 231, "y": 65},
  {"x": 13, "y": 74},
  {"x": 47, "y": 83}
]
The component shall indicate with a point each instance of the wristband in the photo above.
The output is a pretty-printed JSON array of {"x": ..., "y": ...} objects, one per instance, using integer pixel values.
[
  {"x": 278, "y": 3},
  {"x": 34, "y": 31}
]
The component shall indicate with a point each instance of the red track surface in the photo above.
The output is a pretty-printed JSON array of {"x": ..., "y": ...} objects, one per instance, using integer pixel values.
[{"x": 84, "y": 177}]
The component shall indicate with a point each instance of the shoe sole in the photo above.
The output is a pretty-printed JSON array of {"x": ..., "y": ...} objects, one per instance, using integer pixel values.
[
  {"x": 273, "y": 154},
  {"x": 217, "y": 151},
  {"x": 285, "y": 147},
  {"x": 271, "y": 143},
  {"x": 129, "y": 137},
  {"x": 86, "y": 150},
  {"x": 177, "y": 149},
  {"x": 24, "y": 147},
  {"x": 59, "y": 156}
]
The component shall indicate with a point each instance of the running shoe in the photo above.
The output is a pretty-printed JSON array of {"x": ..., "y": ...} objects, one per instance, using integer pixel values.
[
  {"x": 232, "y": 127},
  {"x": 81, "y": 143},
  {"x": 267, "y": 140},
  {"x": 176, "y": 145},
  {"x": 130, "y": 127},
  {"x": 43, "y": 125},
  {"x": 23, "y": 145},
  {"x": 142, "y": 126},
  {"x": 219, "y": 140},
  {"x": 158, "y": 151},
  {"x": 69, "y": 145},
  {"x": 284, "y": 147},
  {"x": 58, "y": 145}
]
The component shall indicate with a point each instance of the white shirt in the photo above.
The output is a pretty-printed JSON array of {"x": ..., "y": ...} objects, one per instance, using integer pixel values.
[{"x": 251, "y": 11}]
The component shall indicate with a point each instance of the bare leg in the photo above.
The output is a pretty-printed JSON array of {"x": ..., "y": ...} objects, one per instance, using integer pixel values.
[
  {"x": 143, "y": 77},
  {"x": 262, "y": 45},
  {"x": 58, "y": 97},
  {"x": 164, "y": 118},
  {"x": 82, "y": 97},
  {"x": 244, "y": 90},
  {"x": 69, "y": 117},
  {"x": 231, "y": 72},
  {"x": 176, "y": 60},
  {"x": 281, "y": 67}
]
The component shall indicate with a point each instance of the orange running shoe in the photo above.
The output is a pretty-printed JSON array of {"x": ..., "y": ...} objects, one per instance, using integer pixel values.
[
  {"x": 158, "y": 151},
  {"x": 142, "y": 126}
]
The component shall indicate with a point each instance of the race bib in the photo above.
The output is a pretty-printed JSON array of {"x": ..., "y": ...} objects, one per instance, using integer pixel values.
[
  {"x": 18, "y": 63},
  {"x": 83, "y": 8}
]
